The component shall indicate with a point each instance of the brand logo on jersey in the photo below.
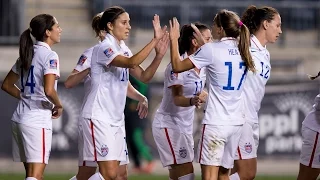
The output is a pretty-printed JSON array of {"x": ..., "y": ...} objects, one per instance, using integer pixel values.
[
  {"x": 173, "y": 75},
  {"x": 183, "y": 152},
  {"x": 53, "y": 63},
  {"x": 108, "y": 52},
  {"x": 104, "y": 150},
  {"x": 248, "y": 147},
  {"x": 82, "y": 59},
  {"x": 196, "y": 53},
  {"x": 126, "y": 54}
]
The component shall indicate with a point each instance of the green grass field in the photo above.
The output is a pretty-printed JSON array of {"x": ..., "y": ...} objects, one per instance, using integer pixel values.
[{"x": 132, "y": 177}]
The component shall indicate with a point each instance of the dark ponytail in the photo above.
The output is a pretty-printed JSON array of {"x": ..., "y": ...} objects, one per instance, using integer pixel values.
[
  {"x": 38, "y": 27},
  {"x": 26, "y": 50},
  {"x": 253, "y": 17},
  {"x": 95, "y": 24},
  {"x": 186, "y": 36}
]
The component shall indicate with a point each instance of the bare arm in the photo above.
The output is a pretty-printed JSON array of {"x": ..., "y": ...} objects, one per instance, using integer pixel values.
[
  {"x": 142, "y": 107},
  {"x": 180, "y": 100},
  {"x": 137, "y": 59},
  {"x": 75, "y": 78},
  {"x": 52, "y": 95},
  {"x": 9, "y": 86},
  {"x": 177, "y": 65},
  {"x": 146, "y": 75}
]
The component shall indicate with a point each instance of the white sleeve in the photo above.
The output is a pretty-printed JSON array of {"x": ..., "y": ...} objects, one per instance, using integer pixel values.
[
  {"x": 173, "y": 78},
  {"x": 15, "y": 68},
  {"x": 84, "y": 61},
  {"x": 203, "y": 56},
  {"x": 51, "y": 65},
  {"x": 107, "y": 53}
]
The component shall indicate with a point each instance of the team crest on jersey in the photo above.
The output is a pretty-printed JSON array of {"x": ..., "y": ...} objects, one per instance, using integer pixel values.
[
  {"x": 126, "y": 53},
  {"x": 104, "y": 150},
  {"x": 82, "y": 59},
  {"x": 173, "y": 75},
  {"x": 108, "y": 52},
  {"x": 183, "y": 152},
  {"x": 53, "y": 63},
  {"x": 248, "y": 147}
]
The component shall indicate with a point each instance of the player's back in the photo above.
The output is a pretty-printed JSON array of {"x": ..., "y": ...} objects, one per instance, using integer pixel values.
[
  {"x": 226, "y": 75},
  {"x": 34, "y": 107}
]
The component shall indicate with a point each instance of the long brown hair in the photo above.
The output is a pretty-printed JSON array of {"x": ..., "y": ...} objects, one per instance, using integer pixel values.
[{"x": 233, "y": 27}]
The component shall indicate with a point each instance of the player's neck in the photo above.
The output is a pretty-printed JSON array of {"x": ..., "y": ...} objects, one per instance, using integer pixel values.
[{"x": 261, "y": 36}]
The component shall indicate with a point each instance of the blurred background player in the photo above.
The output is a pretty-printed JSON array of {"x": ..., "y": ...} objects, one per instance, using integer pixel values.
[
  {"x": 227, "y": 61},
  {"x": 135, "y": 127},
  {"x": 172, "y": 127},
  {"x": 264, "y": 25},
  {"x": 37, "y": 69}
]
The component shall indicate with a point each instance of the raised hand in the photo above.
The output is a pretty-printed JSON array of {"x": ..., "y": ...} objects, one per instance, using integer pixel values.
[
  {"x": 197, "y": 34},
  {"x": 174, "y": 29},
  {"x": 158, "y": 31},
  {"x": 162, "y": 46},
  {"x": 142, "y": 108}
]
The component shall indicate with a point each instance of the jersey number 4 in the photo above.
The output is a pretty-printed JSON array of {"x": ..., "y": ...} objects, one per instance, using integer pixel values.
[
  {"x": 229, "y": 85},
  {"x": 30, "y": 80}
]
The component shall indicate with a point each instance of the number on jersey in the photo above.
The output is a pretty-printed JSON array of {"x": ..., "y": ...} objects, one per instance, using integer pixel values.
[
  {"x": 265, "y": 74},
  {"x": 198, "y": 87},
  {"x": 229, "y": 85},
  {"x": 30, "y": 80},
  {"x": 124, "y": 75}
]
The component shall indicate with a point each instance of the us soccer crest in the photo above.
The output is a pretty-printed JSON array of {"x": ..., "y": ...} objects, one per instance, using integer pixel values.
[
  {"x": 104, "y": 150},
  {"x": 183, "y": 152},
  {"x": 248, "y": 147},
  {"x": 173, "y": 75}
]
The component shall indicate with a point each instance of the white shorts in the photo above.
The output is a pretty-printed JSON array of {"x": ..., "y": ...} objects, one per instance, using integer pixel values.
[
  {"x": 249, "y": 141},
  {"x": 218, "y": 145},
  {"x": 104, "y": 142},
  {"x": 30, "y": 144},
  {"x": 173, "y": 146},
  {"x": 81, "y": 162},
  {"x": 310, "y": 150}
]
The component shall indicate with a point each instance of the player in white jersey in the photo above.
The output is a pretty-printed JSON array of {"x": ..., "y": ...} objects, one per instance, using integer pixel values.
[
  {"x": 172, "y": 127},
  {"x": 310, "y": 150},
  {"x": 103, "y": 127},
  {"x": 227, "y": 61},
  {"x": 81, "y": 73},
  {"x": 37, "y": 71},
  {"x": 264, "y": 25}
]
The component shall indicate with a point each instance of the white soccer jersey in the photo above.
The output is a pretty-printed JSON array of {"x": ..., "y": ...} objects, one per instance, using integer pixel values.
[
  {"x": 107, "y": 97},
  {"x": 312, "y": 120},
  {"x": 176, "y": 116},
  {"x": 254, "y": 88},
  {"x": 34, "y": 108},
  {"x": 226, "y": 73}
]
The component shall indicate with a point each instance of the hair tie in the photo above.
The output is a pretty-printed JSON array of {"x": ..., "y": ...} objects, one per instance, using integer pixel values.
[{"x": 240, "y": 23}]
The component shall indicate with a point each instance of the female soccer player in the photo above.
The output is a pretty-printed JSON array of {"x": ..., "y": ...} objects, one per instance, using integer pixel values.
[
  {"x": 81, "y": 72},
  {"x": 173, "y": 123},
  {"x": 309, "y": 161},
  {"x": 264, "y": 25},
  {"x": 111, "y": 63},
  {"x": 37, "y": 69},
  {"x": 227, "y": 61}
]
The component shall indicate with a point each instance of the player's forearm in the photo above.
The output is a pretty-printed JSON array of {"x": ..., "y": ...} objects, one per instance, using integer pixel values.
[
  {"x": 182, "y": 101},
  {"x": 138, "y": 58},
  {"x": 75, "y": 78},
  {"x": 52, "y": 95},
  {"x": 134, "y": 94},
  {"x": 12, "y": 89},
  {"x": 175, "y": 57},
  {"x": 148, "y": 74}
]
